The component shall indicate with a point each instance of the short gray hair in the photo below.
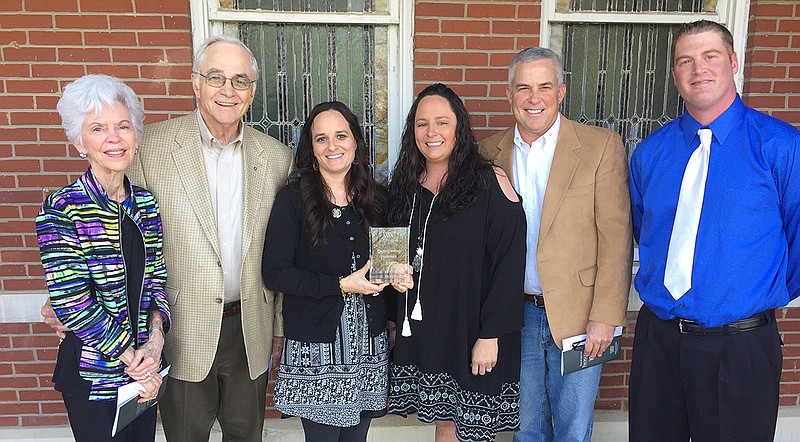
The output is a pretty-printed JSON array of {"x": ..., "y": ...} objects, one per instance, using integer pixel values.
[
  {"x": 92, "y": 93},
  {"x": 200, "y": 55},
  {"x": 532, "y": 54}
]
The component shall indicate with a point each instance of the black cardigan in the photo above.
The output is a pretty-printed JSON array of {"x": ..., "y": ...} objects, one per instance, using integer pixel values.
[{"x": 309, "y": 279}]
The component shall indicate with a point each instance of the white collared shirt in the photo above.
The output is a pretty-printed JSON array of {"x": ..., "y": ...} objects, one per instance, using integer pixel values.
[
  {"x": 225, "y": 172},
  {"x": 531, "y": 170}
]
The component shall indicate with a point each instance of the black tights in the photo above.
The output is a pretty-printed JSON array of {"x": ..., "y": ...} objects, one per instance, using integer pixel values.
[{"x": 316, "y": 432}]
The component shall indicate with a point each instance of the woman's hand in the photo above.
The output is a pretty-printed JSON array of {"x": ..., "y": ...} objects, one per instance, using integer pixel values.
[
  {"x": 408, "y": 283},
  {"x": 151, "y": 386},
  {"x": 357, "y": 282},
  {"x": 484, "y": 356},
  {"x": 147, "y": 359}
]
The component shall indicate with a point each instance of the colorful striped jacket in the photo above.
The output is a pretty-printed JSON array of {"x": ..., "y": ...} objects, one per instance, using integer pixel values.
[{"x": 80, "y": 245}]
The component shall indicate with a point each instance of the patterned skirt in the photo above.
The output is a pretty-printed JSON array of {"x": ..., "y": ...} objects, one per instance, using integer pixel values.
[
  {"x": 332, "y": 383},
  {"x": 477, "y": 416}
]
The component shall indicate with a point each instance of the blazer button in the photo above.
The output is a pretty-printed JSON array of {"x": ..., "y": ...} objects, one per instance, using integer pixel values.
[
  {"x": 219, "y": 263},
  {"x": 219, "y": 300}
]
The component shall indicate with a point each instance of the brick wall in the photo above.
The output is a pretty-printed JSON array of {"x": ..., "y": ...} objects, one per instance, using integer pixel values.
[{"x": 44, "y": 44}]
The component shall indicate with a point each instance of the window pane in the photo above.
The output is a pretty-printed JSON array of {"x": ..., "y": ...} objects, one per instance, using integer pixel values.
[
  {"x": 695, "y": 6},
  {"x": 302, "y": 65},
  {"x": 618, "y": 76},
  {"x": 367, "y": 6}
]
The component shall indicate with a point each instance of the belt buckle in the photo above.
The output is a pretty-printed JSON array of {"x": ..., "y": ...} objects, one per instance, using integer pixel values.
[{"x": 680, "y": 325}]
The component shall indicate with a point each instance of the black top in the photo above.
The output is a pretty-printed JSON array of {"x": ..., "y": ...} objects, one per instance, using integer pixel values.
[
  {"x": 309, "y": 278},
  {"x": 472, "y": 286}
]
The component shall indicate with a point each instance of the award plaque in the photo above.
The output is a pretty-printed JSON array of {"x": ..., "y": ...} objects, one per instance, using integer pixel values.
[{"x": 389, "y": 250}]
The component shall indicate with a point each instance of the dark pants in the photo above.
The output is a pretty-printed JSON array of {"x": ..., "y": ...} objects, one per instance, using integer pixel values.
[
  {"x": 92, "y": 421},
  {"x": 708, "y": 388},
  {"x": 315, "y": 432},
  {"x": 227, "y": 394}
]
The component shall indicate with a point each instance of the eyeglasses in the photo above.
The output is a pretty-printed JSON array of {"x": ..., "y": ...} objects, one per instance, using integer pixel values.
[{"x": 239, "y": 82}]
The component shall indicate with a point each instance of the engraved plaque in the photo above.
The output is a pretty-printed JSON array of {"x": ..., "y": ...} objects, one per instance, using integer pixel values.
[{"x": 389, "y": 250}]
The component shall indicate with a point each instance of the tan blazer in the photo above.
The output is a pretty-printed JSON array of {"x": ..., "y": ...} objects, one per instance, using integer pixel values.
[
  {"x": 584, "y": 248},
  {"x": 170, "y": 164}
]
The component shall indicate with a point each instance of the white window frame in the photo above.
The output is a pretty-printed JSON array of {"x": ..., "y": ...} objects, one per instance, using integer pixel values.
[
  {"x": 731, "y": 13},
  {"x": 208, "y": 20}
]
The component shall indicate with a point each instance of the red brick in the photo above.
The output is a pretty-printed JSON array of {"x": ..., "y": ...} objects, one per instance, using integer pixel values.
[
  {"x": 167, "y": 72},
  {"x": 51, "y": 6},
  {"x": 768, "y": 102},
  {"x": 39, "y": 395},
  {"x": 64, "y": 166},
  {"x": 612, "y": 381},
  {"x": 136, "y": 22},
  {"x": 513, "y": 27},
  {"x": 178, "y": 55},
  {"x": 429, "y": 9},
  {"x": 148, "y": 87},
  {"x": 46, "y": 354},
  {"x": 176, "y": 22},
  {"x": 34, "y": 341},
  {"x": 525, "y": 42},
  {"x": 55, "y": 38},
  {"x": 502, "y": 121},
  {"x": 789, "y": 116},
  {"x": 48, "y": 102},
  {"x": 423, "y": 58},
  {"x": 501, "y": 59},
  {"x": 491, "y": 10},
  {"x": 83, "y": 55},
  {"x": 486, "y": 74},
  {"x": 27, "y": 53},
  {"x": 761, "y": 56},
  {"x": 178, "y": 88},
  {"x": 138, "y": 55},
  {"x": 115, "y": 70},
  {"x": 14, "y": 70},
  {"x": 763, "y": 25},
  {"x": 11, "y": 328},
  {"x": 438, "y": 42},
  {"x": 82, "y": 21},
  {"x": 162, "y": 7},
  {"x": 789, "y": 25},
  {"x": 13, "y": 38},
  {"x": 114, "y": 38},
  {"x": 52, "y": 134},
  {"x": 786, "y": 87},
  {"x": 483, "y": 106},
  {"x": 8, "y": 396},
  {"x": 46, "y": 70},
  {"x": 164, "y": 39},
  {"x": 762, "y": 9},
  {"x": 53, "y": 408},
  {"x": 106, "y": 6},
  {"x": 771, "y": 41},
  {"x": 30, "y": 118},
  {"x": 432, "y": 75},
  {"x": 470, "y": 90},
  {"x": 17, "y": 381},
  {"x": 16, "y": 102},
  {"x": 25, "y": 21},
  {"x": 463, "y": 58},
  {"x": 43, "y": 420},
  {"x": 426, "y": 25},
  {"x": 18, "y": 134},
  {"x": 489, "y": 43},
  {"x": 530, "y": 11},
  {"x": 16, "y": 355},
  {"x": 792, "y": 57},
  {"x": 168, "y": 103},
  {"x": 787, "y": 401},
  {"x": 10, "y": 5},
  {"x": 15, "y": 409},
  {"x": 32, "y": 86},
  {"x": 606, "y": 404},
  {"x": 465, "y": 27}
]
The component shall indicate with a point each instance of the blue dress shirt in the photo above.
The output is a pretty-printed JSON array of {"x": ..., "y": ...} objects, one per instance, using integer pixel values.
[{"x": 747, "y": 251}]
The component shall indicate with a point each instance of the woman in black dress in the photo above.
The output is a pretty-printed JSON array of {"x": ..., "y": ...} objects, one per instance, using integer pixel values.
[
  {"x": 457, "y": 359},
  {"x": 333, "y": 372}
]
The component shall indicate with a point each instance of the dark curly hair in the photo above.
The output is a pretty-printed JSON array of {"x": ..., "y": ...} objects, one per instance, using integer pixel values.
[
  {"x": 315, "y": 193},
  {"x": 467, "y": 171}
]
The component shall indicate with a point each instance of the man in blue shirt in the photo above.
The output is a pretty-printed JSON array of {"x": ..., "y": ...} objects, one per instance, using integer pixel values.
[{"x": 707, "y": 354}]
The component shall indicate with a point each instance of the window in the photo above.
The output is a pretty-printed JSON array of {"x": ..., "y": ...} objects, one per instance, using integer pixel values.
[
  {"x": 616, "y": 57},
  {"x": 310, "y": 51}
]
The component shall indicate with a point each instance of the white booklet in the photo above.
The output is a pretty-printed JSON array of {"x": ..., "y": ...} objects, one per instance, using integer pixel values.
[
  {"x": 127, "y": 406},
  {"x": 573, "y": 359}
]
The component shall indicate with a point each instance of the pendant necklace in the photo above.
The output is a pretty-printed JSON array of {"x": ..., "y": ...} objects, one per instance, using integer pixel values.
[{"x": 336, "y": 212}]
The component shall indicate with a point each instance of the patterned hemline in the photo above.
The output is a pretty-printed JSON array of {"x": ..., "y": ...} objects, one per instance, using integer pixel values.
[{"x": 477, "y": 416}]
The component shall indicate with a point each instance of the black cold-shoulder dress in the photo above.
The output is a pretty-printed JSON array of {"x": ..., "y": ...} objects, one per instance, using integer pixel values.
[{"x": 471, "y": 287}]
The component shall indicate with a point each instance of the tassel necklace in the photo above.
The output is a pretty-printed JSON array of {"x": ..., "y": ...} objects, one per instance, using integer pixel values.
[{"x": 418, "y": 263}]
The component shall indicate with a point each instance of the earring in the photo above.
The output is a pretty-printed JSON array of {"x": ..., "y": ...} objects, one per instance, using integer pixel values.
[
  {"x": 136, "y": 151},
  {"x": 82, "y": 155},
  {"x": 315, "y": 166}
]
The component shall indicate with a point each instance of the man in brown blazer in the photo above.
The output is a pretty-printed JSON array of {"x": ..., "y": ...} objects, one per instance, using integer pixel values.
[{"x": 573, "y": 181}]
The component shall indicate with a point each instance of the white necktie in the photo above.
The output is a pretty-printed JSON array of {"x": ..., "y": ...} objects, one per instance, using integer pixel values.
[{"x": 680, "y": 257}]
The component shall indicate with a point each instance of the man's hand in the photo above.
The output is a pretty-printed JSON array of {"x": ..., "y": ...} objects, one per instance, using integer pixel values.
[
  {"x": 598, "y": 338},
  {"x": 51, "y": 319}
]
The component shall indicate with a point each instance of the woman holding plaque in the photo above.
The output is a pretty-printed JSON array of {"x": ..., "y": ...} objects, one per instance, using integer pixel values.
[
  {"x": 457, "y": 360},
  {"x": 333, "y": 372}
]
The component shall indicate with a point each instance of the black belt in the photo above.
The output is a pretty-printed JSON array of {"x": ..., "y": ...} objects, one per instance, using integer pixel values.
[
  {"x": 231, "y": 308},
  {"x": 689, "y": 327},
  {"x": 537, "y": 300}
]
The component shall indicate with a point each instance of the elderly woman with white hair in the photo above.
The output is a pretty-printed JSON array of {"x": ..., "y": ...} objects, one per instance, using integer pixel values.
[{"x": 100, "y": 242}]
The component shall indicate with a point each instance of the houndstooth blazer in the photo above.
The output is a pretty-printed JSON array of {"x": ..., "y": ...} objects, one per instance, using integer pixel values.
[{"x": 170, "y": 164}]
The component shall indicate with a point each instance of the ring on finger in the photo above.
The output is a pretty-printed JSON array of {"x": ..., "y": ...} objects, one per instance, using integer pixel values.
[
  {"x": 488, "y": 369},
  {"x": 148, "y": 375}
]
